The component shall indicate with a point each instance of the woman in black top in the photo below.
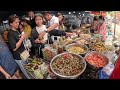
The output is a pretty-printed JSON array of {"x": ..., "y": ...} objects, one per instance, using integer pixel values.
[{"x": 15, "y": 39}]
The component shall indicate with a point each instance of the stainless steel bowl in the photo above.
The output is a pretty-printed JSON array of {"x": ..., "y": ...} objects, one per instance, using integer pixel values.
[
  {"x": 92, "y": 66},
  {"x": 68, "y": 77},
  {"x": 76, "y": 44}
]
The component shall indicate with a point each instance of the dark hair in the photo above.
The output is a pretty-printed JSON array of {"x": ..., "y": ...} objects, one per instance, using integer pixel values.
[
  {"x": 59, "y": 14},
  {"x": 101, "y": 17},
  {"x": 95, "y": 18},
  {"x": 30, "y": 11},
  {"x": 26, "y": 21},
  {"x": 12, "y": 18},
  {"x": 47, "y": 12},
  {"x": 38, "y": 14},
  {"x": 21, "y": 24}
]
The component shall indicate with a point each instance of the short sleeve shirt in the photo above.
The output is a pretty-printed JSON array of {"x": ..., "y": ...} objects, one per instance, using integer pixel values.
[
  {"x": 13, "y": 38},
  {"x": 41, "y": 29},
  {"x": 52, "y": 21}
]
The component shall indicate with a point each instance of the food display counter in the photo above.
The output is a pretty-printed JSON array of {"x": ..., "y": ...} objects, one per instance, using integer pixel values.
[{"x": 81, "y": 44}]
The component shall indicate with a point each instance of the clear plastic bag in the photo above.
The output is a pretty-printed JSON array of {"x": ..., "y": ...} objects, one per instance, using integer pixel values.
[
  {"x": 108, "y": 69},
  {"x": 27, "y": 43},
  {"x": 48, "y": 53}
]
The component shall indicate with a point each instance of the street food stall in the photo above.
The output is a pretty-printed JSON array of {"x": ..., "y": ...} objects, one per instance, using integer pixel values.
[
  {"x": 80, "y": 56},
  {"x": 83, "y": 55}
]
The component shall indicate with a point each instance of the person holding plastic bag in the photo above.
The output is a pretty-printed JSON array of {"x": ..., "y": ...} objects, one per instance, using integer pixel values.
[
  {"x": 15, "y": 39},
  {"x": 37, "y": 40}
]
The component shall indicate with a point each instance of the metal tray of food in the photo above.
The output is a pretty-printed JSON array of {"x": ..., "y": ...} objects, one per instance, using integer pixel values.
[
  {"x": 28, "y": 68},
  {"x": 70, "y": 57},
  {"x": 81, "y": 49}
]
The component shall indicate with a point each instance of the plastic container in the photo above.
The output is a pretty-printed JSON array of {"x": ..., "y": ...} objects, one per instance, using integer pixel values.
[{"x": 21, "y": 65}]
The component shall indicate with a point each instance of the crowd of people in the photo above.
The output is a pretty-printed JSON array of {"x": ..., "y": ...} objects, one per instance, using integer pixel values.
[
  {"x": 33, "y": 29},
  {"x": 36, "y": 28}
]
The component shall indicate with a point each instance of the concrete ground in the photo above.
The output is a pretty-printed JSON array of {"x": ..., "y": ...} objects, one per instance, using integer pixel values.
[{"x": 117, "y": 30}]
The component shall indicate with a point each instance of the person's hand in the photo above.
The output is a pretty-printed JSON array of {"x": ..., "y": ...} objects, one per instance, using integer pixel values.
[
  {"x": 43, "y": 41},
  {"x": 41, "y": 35},
  {"x": 37, "y": 41},
  {"x": 7, "y": 76},
  {"x": 69, "y": 34},
  {"x": 24, "y": 36},
  {"x": 78, "y": 33}
]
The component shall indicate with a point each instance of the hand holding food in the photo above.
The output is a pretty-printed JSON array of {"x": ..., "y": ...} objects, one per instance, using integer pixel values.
[
  {"x": 41, "y": 35},
  {"x": 24, "y": 36}
]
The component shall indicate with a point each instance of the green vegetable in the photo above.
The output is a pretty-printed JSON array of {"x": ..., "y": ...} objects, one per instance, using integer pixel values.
[{"x": 38, "y": 74}]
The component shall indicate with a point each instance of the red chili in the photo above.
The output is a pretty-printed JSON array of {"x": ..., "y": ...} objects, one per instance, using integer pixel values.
[{"x": 96, "y": 60}]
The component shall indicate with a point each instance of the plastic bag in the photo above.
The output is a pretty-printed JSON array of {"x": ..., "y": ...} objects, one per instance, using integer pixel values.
[
  {"x": 27, "y": 43},
  {"x": 44, "y": 68},
  {"x": 106, "y": 71},
  {"x": 48, "y": 53},
  {"x": 103, "y": 75},
  {"x": 41, "y": 72}
]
